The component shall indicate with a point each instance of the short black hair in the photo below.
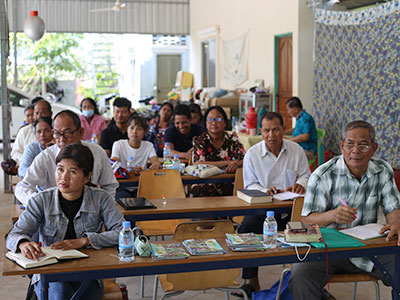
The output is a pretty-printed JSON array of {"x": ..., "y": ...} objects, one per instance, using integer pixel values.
[
  {"x": 91, "y": 101},
  {"x": 182, "y": 109},
  {"x": 272, "y": 115},
  {"x": 169, "y": 104},
  {"x": 72, "y": 115},
  {"x": 195, "y": 108},
  {"x": 30, "y": 106},
  {"x": 294, "y": 102},
  {"x": 44, "y": 101},
  {"x": 122, "y": 102},
  {"x": 36, "y": 99},
  {"x": 80, "y": 154},
  {"x": 139, "y": 120},
  {"x": 48, "y": 120},
  {"x": 220, "y": 110}
]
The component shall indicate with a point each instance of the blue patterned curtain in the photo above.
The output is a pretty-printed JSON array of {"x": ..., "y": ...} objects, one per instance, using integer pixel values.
[{"x": 356, "y": 75}]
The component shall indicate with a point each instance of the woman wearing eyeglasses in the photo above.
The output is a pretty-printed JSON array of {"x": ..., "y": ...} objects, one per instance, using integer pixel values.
[{"x": 218, "y": 148}]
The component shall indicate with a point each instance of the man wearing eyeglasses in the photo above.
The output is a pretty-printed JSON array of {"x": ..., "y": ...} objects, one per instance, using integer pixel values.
[
  {"x": 364, "y": 183},
  {"x": 66, "y": 130}
]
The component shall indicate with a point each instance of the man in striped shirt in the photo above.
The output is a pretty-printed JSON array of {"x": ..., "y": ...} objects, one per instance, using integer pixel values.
[{"x": 364, "y": 183}]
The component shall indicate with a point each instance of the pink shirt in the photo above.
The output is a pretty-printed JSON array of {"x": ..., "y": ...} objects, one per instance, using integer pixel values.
[{"x": 97, "y": 125}]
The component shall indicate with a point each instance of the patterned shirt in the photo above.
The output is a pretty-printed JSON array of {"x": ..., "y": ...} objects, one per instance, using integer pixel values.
[
  {"x": 305, "y": 124},
  {"x": 333, "y": 180}
]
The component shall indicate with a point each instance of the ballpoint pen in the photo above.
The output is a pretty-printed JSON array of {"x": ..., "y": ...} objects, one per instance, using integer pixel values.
[{"x": 345, "y": 204}]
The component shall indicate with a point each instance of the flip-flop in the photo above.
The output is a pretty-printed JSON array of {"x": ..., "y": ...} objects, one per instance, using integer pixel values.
[
  {"x": 248, "y": 290},
  {"x": 326, "y": 295}
]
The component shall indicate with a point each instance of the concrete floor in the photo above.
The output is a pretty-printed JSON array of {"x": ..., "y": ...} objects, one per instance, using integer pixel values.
[{"x": 14, "y": 287}]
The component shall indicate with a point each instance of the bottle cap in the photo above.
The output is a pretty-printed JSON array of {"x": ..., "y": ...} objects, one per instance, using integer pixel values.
[
  {"x": 176, "y": 156},
  {"x": 130, "y": 157},
  {"x": 270, "y": 213},
  {"x": 126, "y": 224},
  {"x": 166, "y": 144}
]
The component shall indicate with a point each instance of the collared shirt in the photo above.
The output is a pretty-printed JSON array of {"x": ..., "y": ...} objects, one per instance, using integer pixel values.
[
  {"x": 96, "y": 126},
  {"x": 333, "y": 180},
  {"x": 110, "y": 135},
  {"x": 182, "y": 143},
  {"x": 43, "y": 168},
  {"x": 30, "y": 153},
  {"x": 263, "y": 170},
  {"x": 25, "y": 136},
  {"x": 305, "y": 124},
  {"x": 44, "y": 212}
]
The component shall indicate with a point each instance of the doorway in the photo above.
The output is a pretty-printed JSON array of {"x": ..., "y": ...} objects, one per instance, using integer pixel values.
[
  {"x": 283, "y": 75},
  {"x": 167, "y": 68}
]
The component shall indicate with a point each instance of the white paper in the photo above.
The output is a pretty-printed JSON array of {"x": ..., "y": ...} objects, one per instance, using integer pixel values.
[
  {"x": 365, "y": 232},
  {"x": 286, "y": 196}
]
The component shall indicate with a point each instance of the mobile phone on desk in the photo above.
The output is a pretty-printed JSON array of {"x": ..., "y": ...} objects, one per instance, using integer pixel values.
[{"x": 297, "y": 227}]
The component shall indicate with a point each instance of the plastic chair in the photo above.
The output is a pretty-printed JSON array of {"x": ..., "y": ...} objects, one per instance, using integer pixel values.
[
  {"x": 297, "y": 207},
  {"x": 320, "y": 137},
  {"x": 152, "y": 185},
  {"x": 238, "y": 185},
  {"x": 175, "y": 284}
]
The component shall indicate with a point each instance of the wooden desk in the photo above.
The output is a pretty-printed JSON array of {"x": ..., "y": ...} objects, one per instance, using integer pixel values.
[
  {"x": 186, "y": 179},
  {"x": 201, "y": 207},
  {"x": 105, "y": 263}
]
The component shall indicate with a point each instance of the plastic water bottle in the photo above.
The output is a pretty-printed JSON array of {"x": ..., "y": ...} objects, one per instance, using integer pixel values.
[
  {"x": 164, "y": 199},
  {"x": 233, "y": 124},
  {"x": 166, "y": 152},
  {"x": 126, "y": 243},
  {"x": 94, "y": 139},
  {"x": 270, "y": 231},
  {"x": 176, "y": 164},
  {"x": 130, "y": 165}
]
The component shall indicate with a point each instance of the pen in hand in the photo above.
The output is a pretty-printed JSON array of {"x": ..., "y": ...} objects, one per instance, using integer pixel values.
[{"x": 345, "y": 204}]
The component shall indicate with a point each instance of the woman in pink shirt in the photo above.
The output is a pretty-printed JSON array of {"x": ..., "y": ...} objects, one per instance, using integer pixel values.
[{"x": 91, "y": 120}]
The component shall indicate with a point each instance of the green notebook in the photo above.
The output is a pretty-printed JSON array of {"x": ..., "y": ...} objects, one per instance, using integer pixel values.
[{"x": 335, "y": 239}]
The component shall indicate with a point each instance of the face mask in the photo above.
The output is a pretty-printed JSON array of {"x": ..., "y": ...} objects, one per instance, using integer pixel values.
[{"x": 88, "y": 113}]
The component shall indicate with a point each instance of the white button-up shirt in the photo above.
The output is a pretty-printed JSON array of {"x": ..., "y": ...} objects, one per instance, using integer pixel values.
[
  {"x": 263, "y": 170},
  {"x": 42, "y": 172},
  {"x": 25, "y": 136}
]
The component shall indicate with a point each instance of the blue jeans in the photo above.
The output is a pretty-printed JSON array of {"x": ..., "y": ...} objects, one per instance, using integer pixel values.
[{"x": 65, "y": 290}]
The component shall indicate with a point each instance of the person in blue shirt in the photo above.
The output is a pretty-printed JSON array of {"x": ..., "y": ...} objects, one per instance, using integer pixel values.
[
  {"x": 180, "y": 136},
  {"x": 305, "y": 132}
]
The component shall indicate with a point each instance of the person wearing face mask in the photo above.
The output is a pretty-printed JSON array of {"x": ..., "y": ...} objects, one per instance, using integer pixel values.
[{"x": 91, "y": 121}]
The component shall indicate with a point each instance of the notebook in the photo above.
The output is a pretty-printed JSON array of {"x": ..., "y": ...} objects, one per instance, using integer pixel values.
[
  {"x": 135, "y": 203},
  {"x": 365, "y": 232}
]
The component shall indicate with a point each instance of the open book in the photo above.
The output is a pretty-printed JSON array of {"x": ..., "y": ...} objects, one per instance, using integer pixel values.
[
  {"x": 52, "y": 257},
  {"x": 365, "y": 232}
]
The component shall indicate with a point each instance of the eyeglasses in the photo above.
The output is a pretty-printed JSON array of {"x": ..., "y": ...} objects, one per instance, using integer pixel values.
[
  {"x": 362, "y": 147},
  {"x": 210, "y": 120},
  {"x": 65, "y": 134}
]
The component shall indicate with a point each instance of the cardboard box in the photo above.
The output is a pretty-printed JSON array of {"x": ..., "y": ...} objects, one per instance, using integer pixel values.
[{"x": 184, "y": 79}]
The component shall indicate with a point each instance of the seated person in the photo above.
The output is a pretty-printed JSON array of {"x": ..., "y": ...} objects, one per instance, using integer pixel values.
[
  {"x": 26, "y": 134},
  {"x": 195, "y": 112},
  {"x": 158, "y": 127},
  {"x": 116, "y": 129},
  {"x": 180, "y": 136},
  {"x": 365, "y": 183},
  {"x": 305, "y": 132},
  {"x": 29, "y": 115},
  {"x": 66, "y": 130},
  {"x": 141, "y": 151},
  {"x": 44, "y": 138},
  {"x": 272, "y": 164},
  {"x": 91, "y": 121},
  {"x": 71, "y": 215},
  {"x": 217, "y": 147}
]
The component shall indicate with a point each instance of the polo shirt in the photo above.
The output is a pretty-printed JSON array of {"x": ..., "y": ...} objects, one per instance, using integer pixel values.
[
  {"x": 182, "y": 143},
  {"x": 305, "y": 124},
  {"x": 111, "y": 134}
]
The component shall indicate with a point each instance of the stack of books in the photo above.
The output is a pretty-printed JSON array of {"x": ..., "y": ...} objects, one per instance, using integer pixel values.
[
  {"x": 203, "y": 246},
  {"x": 245, "y": 242},
  {"x": 168, "y": 251},
  {"x": 304, "y": 233}
]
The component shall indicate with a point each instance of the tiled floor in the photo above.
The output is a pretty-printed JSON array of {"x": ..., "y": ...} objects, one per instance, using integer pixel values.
[{"x": 15, "y": 287}]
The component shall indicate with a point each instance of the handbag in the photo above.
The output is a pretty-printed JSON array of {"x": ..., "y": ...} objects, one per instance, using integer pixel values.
[
  {"x": 271, "y": 293},
  {"x": 202, "y": 170}
]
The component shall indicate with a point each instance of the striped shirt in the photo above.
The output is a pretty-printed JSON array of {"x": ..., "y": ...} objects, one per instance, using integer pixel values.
[{"x": 333, "y": 180}]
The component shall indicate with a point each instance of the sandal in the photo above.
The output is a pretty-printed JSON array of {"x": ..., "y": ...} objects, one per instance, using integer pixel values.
[
  {"x": 326, "y": 295},
  {"x": 248, "y": 290}
]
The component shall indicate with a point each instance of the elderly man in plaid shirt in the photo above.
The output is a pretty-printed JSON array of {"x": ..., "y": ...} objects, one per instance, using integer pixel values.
[{"x": 364, "y": 183}]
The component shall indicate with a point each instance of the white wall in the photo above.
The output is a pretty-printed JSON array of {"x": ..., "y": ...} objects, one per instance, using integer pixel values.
[{"x": 263, "y": 19}]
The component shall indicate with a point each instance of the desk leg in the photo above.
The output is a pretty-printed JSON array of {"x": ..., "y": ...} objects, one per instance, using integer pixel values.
[
  {"x": 44, "y": 288},
  {"x": 82, "y": 288},
  {"x": 393, "y": 281}
]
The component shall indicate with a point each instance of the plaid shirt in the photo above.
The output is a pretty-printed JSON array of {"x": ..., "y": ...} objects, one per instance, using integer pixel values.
[{"x": 333, "y": 180}]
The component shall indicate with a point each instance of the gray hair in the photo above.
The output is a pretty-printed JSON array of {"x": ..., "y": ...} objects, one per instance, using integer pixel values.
[{"x": 360, "y": 124}]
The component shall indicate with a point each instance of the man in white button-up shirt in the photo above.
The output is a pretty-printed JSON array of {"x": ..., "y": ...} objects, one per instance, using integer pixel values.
[
  {"x": 272, "y": 165},
  {"x": 66, "y": 130}
]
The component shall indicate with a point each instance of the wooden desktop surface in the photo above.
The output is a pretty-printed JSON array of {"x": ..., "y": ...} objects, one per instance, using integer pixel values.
[
  {"x": 107, "y": 259},
  {"x": 184, "y": 177}
]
